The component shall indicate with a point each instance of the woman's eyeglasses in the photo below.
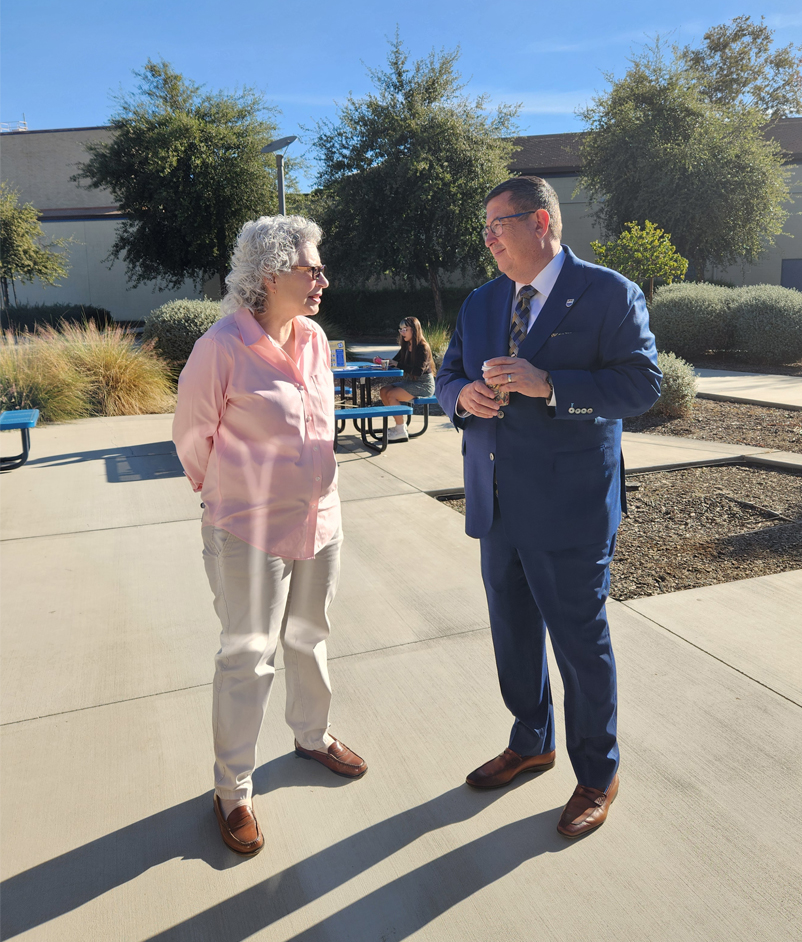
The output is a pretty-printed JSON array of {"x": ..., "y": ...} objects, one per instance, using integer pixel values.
[
  {"x": 314, "y": 270},
  {"x": 404, "y": 327}
]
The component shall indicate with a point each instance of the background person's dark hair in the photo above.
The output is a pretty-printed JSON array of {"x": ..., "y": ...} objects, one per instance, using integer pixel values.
[
  {"x": 532, "y": 193},
  {"x": 418, "y": 340}
]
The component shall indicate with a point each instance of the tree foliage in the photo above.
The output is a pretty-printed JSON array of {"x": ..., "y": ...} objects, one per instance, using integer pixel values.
[
  {"x": 737, "y": 65},
  {"x": 185, "y": 167},
  {"x": 642, "y": 255},
  {"x": 405, "y": 170},
  {"x": 659, "y": 149},
  {"x": 25, "y": 255}
]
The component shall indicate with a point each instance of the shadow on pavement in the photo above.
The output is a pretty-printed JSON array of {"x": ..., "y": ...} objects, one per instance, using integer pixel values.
[
  {"x": 123, "y": 465},
  {"x": 189, "y": 831}
]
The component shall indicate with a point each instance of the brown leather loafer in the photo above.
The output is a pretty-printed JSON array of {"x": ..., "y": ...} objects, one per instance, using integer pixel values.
[
  {"x": 339, "y": 759},
  {"x": 502, "y": 770},
  {"x": 587, "y": 809},
  {"x": 241, "y": 832}
]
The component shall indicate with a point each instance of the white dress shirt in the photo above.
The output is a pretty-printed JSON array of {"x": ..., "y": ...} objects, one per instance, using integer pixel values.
[{"x": 543, "y": 282}]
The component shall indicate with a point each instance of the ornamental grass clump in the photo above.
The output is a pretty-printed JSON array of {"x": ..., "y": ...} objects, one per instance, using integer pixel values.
[
  {"x": 125, "y": 378},
  {"x": 174, "y": 327},
  {"x": 438, "y": 334},
  {"x": 678, "y": 389},
  {"x": 37, "y": 375},
  {"x": 768, "y": 323},
  {"x": 81, "y": 371},
  {"x": 691, "y": 319}
]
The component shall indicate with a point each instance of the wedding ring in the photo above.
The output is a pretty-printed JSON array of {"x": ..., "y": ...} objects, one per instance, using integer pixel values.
[{"x": 509, "y": 377}]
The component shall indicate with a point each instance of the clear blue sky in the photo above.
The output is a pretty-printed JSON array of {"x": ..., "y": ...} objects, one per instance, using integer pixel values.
[{"x": 63, "y": 59}]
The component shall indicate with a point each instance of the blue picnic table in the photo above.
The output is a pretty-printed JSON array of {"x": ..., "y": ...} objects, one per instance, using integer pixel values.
[{"x": 24, "y": 420}]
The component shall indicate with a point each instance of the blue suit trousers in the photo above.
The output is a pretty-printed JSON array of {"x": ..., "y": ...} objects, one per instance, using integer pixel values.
[{"x": 529, "y": 591}]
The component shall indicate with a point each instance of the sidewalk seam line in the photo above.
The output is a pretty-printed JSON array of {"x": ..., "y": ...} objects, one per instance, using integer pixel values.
[
  {"x": 162, "y": 693},
  {"x": 125, "y": 526},
  {"x": 713, "y": 656}
]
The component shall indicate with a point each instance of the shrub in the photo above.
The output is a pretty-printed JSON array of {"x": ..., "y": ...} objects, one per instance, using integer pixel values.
[
  {"x": 174, "y": 327},
  {"x": 691, "y": 319},
  {"x": 678, "y": 389},
  {"x": 20, "y": 317},
  {"x": 768, "y": 323},
  {"x": 125, "y": 378},
  {"x": 37, "y": 375},
  {"x": 642, "y": 255}
]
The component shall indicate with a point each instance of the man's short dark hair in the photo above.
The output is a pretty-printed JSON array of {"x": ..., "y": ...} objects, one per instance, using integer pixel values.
[{"x": 532, "y": 193}]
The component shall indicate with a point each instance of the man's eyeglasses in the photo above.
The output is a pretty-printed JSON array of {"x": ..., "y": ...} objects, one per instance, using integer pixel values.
[
  {"x": 496, "y": 227},
  {"x": 314, "y": 270}
]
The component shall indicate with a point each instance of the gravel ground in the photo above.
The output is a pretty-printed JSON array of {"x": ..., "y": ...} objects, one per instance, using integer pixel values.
[
  {"x": 737, "y": 423},
  {"x": 701, "y": 526}
]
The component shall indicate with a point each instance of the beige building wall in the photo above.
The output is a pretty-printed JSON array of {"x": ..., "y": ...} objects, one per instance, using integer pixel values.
[{"x": 39, "y": 164}]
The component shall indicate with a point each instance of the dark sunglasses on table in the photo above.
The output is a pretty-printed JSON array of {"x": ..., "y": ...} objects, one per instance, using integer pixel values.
[{"x": 314, "y": 270}]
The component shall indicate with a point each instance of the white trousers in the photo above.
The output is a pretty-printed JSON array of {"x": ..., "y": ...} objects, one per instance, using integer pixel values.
[{"x": 260, "y": 598}]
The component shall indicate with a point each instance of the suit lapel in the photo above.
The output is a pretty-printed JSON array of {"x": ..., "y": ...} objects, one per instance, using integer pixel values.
[{"x": 570, "y": 284}]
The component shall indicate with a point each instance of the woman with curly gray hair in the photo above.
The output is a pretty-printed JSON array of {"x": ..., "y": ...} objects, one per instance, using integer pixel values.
[{"x": 254, "y": 429}]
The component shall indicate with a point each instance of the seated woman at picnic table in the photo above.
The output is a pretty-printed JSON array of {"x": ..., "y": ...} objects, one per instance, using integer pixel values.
[
  {"x": 416, "y": 360},
  {"x": 254, "y": 429}
]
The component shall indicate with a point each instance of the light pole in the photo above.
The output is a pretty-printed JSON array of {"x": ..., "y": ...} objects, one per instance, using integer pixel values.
[{"x": 273, "y": 148}]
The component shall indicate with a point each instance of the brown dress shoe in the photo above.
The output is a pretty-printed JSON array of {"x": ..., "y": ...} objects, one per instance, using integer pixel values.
[
  {"x": 587, "y": 809},
  {"x": 339, "y": 759},
  {"x": 241, "y": 832},
  {"x": 503, "y": 769}
]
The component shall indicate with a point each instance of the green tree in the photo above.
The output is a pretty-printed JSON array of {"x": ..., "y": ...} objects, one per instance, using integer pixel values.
[
  {"x": 737, "y": 65},
  {"x": 642, "y": 255},
  {"x": 185, "y": 167},
  {"x": 659, "y": 149},
  {"x": 405, "y": 170},
  {"x": 25, "y": 255}
]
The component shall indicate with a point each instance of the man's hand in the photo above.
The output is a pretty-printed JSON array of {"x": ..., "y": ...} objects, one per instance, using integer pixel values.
[
  {"x": 515, "y": 375},
  {"x": 477, "y": 399}
]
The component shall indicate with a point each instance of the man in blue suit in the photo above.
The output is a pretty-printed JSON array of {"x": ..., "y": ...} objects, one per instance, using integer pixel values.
[{"x": 544, "y": 483}]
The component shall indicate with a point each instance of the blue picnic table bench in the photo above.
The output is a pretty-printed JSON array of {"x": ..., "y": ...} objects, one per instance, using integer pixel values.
[
  {"x": 24, "y": 420},
  {"x": 362, "y": 417}
]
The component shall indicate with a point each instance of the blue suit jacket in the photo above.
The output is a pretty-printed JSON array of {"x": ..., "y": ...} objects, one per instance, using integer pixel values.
[{"x": 559, "y": 470}]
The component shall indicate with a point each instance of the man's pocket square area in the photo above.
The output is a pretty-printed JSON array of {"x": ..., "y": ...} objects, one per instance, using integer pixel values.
[{"x": 563, "y": 333}]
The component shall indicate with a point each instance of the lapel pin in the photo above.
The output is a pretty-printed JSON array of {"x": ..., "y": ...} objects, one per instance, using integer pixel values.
[{"x": 569, "y": 302}]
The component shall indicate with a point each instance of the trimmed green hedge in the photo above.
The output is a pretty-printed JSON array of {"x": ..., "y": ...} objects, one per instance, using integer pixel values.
[
  {"x": 29, "y": 316},
  {"x": 768, "y": 322},
  {"x": 678, "y": 388},
  {"x": 361, "y": 313},
  {"x": 760, "y": 322},
  {"x": 174, "y": 327}
]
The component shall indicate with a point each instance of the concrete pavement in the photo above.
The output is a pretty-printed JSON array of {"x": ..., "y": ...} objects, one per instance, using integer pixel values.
[
  {"x": 108, "y": 637},
  {"x": 782, "y": 392}
]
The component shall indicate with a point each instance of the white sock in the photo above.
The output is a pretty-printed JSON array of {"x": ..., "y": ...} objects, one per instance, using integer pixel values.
[{"x": 227, "y": 805}]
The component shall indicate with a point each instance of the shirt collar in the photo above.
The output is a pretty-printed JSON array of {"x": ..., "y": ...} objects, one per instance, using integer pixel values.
[
  {"x": 251, "y": 331},
  {"x": 545, "y": 280}
]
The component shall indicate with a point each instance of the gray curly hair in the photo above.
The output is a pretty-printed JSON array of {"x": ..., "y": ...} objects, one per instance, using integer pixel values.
[{"x": 266, "y": 246}]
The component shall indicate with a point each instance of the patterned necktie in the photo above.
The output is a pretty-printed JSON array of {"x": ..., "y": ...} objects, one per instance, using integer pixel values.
[{"x": 520, "y": 318}]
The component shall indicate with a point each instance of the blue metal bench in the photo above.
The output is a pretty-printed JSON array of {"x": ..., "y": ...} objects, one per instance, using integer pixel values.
[
  {"x": 24, "y": 420},
  {"x": 424, "y": 401},
  {"x": 362, "y": 417}
]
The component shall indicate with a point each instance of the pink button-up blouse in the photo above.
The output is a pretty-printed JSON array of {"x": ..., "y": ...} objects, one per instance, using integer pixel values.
[{"x": 254, "y": 430}]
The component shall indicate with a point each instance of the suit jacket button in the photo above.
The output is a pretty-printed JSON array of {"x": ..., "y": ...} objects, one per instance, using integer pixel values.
[
  {"x": 501, "y": 413},
  {"x": 492, "y": 456}
]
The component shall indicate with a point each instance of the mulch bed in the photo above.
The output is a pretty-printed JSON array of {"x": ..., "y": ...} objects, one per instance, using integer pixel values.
[{"x": 702, "y": 526}]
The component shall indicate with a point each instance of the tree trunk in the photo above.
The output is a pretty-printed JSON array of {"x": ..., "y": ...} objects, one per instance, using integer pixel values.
[
  {"x": 4, "y": 282},
  {"x": 651, "y": 290},
  {"x": 435, "y": 286}
]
